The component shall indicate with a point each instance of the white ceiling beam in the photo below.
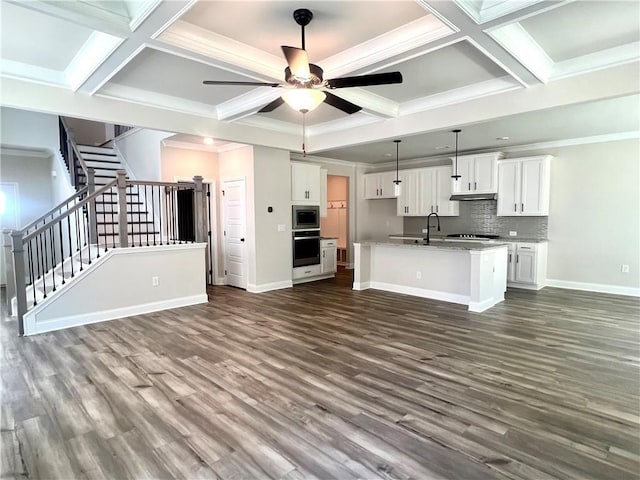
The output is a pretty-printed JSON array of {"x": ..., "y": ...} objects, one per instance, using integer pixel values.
[{"x": 619, "y": 81}]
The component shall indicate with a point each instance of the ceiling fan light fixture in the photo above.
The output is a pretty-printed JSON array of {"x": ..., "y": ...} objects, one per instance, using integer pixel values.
[{"x": 303, "y": 99}]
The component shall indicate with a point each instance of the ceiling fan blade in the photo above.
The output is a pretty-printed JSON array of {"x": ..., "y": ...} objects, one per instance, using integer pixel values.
[
  {"x": 341, "y": 103},
  {"x": 254, "y": 84},
  {"x": 269, "y": 107},
  {"x": 365, "y": 80},
  {"x": 298, "y": 61}
]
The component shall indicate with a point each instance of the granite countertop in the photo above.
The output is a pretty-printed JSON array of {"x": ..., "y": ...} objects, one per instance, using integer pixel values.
[
  {"x": 328, "y": 238},
  {"x": 436, "y": 245},
  {"x": 440, "y": 238}
]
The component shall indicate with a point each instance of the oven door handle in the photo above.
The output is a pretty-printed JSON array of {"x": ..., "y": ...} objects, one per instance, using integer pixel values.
[{"x": 306, "y": 238}]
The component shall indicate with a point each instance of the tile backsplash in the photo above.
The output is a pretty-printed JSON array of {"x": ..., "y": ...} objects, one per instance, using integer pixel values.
[{"x": 480, "y": 217}]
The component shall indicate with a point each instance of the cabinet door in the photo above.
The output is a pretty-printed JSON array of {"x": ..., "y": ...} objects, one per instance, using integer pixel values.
[
  {"x": 386, "y": 184},
  {"x": 508, "y": 189},
  {"x": 442, "y": 192},
  {"x": 408, "y": 201},
  {"x": 511, "y": 263},
  {"x": 313, "y": 182},
  {"x": 372, "y": 186},
  {"x": 532, "y": 190},
  {"x": 485, "y": 174},
  {"x": 428, "y": 186},
  {"x": 298, "y": 183},
  {"x": 525, "y": 271},
  {"x": 329, "y": 260},
  {"x": 465, "y": 169},
  {"x": 323, "y": 192}
]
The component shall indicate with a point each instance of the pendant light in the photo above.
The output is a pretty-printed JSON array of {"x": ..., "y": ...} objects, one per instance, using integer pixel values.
[
  {"x": 397, "y": 181},
  {"x": 455, "y": 176}
]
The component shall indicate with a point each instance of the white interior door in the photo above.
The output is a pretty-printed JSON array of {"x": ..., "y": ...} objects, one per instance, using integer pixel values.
[{"x": 234, "y": 208}]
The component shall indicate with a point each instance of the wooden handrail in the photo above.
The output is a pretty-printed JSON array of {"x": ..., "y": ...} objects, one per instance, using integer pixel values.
[
  {"x": 75, "y": 147},
  {"x": 57, "y": 207},
  {"x": 161, "y": 184},
  {"x": 64, "y": 215}
]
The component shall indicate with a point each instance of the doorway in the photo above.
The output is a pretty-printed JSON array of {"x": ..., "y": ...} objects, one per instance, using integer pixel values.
[
  {"x": 234, "y": 232},
  {"x": 336, "y": 223},
  {"x": 9, "y": 219}
]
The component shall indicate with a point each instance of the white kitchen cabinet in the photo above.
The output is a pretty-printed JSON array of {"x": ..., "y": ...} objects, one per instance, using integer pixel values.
[
  {"x": 527, "y": 265},
  {"x": 409, "y": 201},
  {"x": 305, "y": 183},
  {"x": 479, "y": 173},
  {"x": 379, "y": 185},
  {"x": 328, "y": 256},
  {"x": 523, "y": 186},
  {"x": 435, "y": 190},
  {"x": 323, "y": 192}
]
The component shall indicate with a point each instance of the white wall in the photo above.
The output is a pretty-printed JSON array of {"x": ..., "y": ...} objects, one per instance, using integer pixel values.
[
  {"x": 87, "y": 132},
  {"x": 20, "y": 128},
  {"x": 141, "y": 150},
  {"x": 594, "y": 217},
  {"x": 181, "y": 163},
  {"x": 120, "y": 285},
  {"x": 273, "y": 249}
]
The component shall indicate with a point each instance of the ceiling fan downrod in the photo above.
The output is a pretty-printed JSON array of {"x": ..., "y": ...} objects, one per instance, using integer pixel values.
[{"x": 303, "y": 17}]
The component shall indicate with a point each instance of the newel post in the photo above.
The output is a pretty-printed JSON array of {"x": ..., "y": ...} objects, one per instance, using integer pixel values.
[
  {"x": 17, "y": 248},
  {"x": 199, "y": 209},
  {"x": 8, "y": 268},
  {"x": 122, "y": 207},
  {"x": 93, "y": 223}
]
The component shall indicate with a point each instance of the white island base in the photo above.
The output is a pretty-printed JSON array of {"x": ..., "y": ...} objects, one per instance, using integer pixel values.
[{"x": 467, "y": 274}]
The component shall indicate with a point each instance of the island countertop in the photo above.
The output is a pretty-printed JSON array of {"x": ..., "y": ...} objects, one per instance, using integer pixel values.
[{"x": 434, "y": 244}]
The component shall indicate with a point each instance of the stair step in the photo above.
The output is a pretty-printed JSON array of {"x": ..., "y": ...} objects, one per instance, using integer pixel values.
[
  {"x": 107, "y": 166},
  {"x": 92, "y": 149},
  {"x": 113, "y": 202}
]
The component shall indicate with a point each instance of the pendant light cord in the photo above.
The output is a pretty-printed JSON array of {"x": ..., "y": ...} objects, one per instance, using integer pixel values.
[{"x": 455, "y": 176}]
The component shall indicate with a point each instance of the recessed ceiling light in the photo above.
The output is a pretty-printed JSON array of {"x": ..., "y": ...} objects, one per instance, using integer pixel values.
[
  {"x": 502, "y": 138},
  {"x": 208, "y": 141},
  {"x": 442, "y": 147}
]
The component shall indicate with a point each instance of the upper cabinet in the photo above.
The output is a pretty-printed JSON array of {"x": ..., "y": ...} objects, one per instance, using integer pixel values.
[
  {"x": 479, "y": 173},
  {"x": 379, "y": 185},
  {"x": 305, "y": 183},
  {"x": 409, "y": 201},
  {"x": 523, "y": 186},
  {"x": 323, "y": 192},
  {"x": 435, "y": 192}
]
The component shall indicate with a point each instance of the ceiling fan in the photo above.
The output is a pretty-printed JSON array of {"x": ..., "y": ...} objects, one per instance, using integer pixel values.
[{"x": 305, "y": 88}]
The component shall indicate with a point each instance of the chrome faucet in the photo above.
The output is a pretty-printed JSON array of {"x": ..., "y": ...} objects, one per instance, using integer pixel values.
[{"x": 429, "y": 218}]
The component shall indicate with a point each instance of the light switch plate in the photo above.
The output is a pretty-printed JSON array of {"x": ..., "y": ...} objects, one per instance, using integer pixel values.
[
  {"x": 513, "y": 234},
  {"x": 281, "y": 227}
]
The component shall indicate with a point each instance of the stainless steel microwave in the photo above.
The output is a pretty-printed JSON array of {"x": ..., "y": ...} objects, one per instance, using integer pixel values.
[{"x": 305, "y": 217}]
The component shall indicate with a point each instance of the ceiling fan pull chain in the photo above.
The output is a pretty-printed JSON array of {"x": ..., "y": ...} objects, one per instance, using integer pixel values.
[{"x": 304, "y": 134}]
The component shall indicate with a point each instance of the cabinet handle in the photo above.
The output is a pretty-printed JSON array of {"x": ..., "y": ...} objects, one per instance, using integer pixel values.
[
  {"x": 469, "y": 186},
  {"x": 377, "y": 192},
  {"x": 509, "y": 258},
  {"x": 475, "y": 185},
  {"x": 436, "y": 208},
  {"x": 515, "y": 207},
  {"x": 517, "y": 258},
  {"x": 522, "y": 207},
  {"x": 323, "y": 252},
  {"x": 380, "y": 192}
]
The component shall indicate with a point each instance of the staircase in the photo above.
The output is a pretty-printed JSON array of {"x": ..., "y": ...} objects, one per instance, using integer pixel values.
[{"x": 141, "y": 224}]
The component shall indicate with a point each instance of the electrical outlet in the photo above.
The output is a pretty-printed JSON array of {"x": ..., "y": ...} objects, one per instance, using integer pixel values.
[
  {"x": 419, "y": 275},
  {"x": 625, "y": 268},
  {"x": 281, "y": 227},
  {"x": 425, "y": 230},
  {"x": 513, "y": 234},
  {"x": 155, "y": 281}
]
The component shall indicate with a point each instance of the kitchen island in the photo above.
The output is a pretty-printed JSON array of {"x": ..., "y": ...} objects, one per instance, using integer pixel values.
[{"x": 473, "y": 274}]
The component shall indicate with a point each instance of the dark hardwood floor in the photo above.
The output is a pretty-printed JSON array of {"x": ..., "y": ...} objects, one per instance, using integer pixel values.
[{"x": 319, "y": 381}]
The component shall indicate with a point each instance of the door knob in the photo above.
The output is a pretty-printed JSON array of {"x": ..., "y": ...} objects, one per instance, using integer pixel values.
[{"x": 242, "y": 239}]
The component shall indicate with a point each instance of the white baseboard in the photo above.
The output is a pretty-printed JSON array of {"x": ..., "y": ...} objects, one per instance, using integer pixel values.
[
  {"x": 361, "y": 285},
  {"x": 267, "y": 287},
  {"x": 595, "y": 287},
  {"x": 32, "y": 326},
  {"x": 421, "y": 292},
  {"x": 486, "y": 305}
]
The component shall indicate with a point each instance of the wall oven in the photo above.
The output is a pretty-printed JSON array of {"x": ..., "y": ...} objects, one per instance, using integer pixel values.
[
  {"x": 306, "y": 248},
  {"x": 305, "y": 217}
]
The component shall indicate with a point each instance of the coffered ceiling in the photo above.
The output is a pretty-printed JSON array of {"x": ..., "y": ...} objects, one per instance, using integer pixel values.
[{"x": 492, "y": 65}]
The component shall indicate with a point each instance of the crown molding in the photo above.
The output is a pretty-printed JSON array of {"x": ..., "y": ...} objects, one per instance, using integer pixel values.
[
  {"x": 33, "y": 73},
  {"x": 152, "y": 99},
  {"x": 188, "y": 145},
  {"x": 481, "y": 14},
  {"x": 517, "y": 41},
  {"x": 119, "y": 67},
  {"x": 267, "y": 123},
  {"x": 353, "y": 120},
  {"x": 611, "y": 57},
  {"x": 246, "y": 104},
  {"x": 221, "y": 48},
  {"x": 370, "y": 102},
  {"x": 90, "y": 56},
  {"x": 144, "y": 9},
  {"x": 19, "y": 151},
  {"x": 459, "y": 95},
  {"x": 299, "y": 157},
  {"x": 398, "y": 41}
]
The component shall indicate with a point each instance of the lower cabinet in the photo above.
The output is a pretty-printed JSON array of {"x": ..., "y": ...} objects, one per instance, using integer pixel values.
[
  {"x": 527, "y": 267},
  {"x": 328, "y": 256}
]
